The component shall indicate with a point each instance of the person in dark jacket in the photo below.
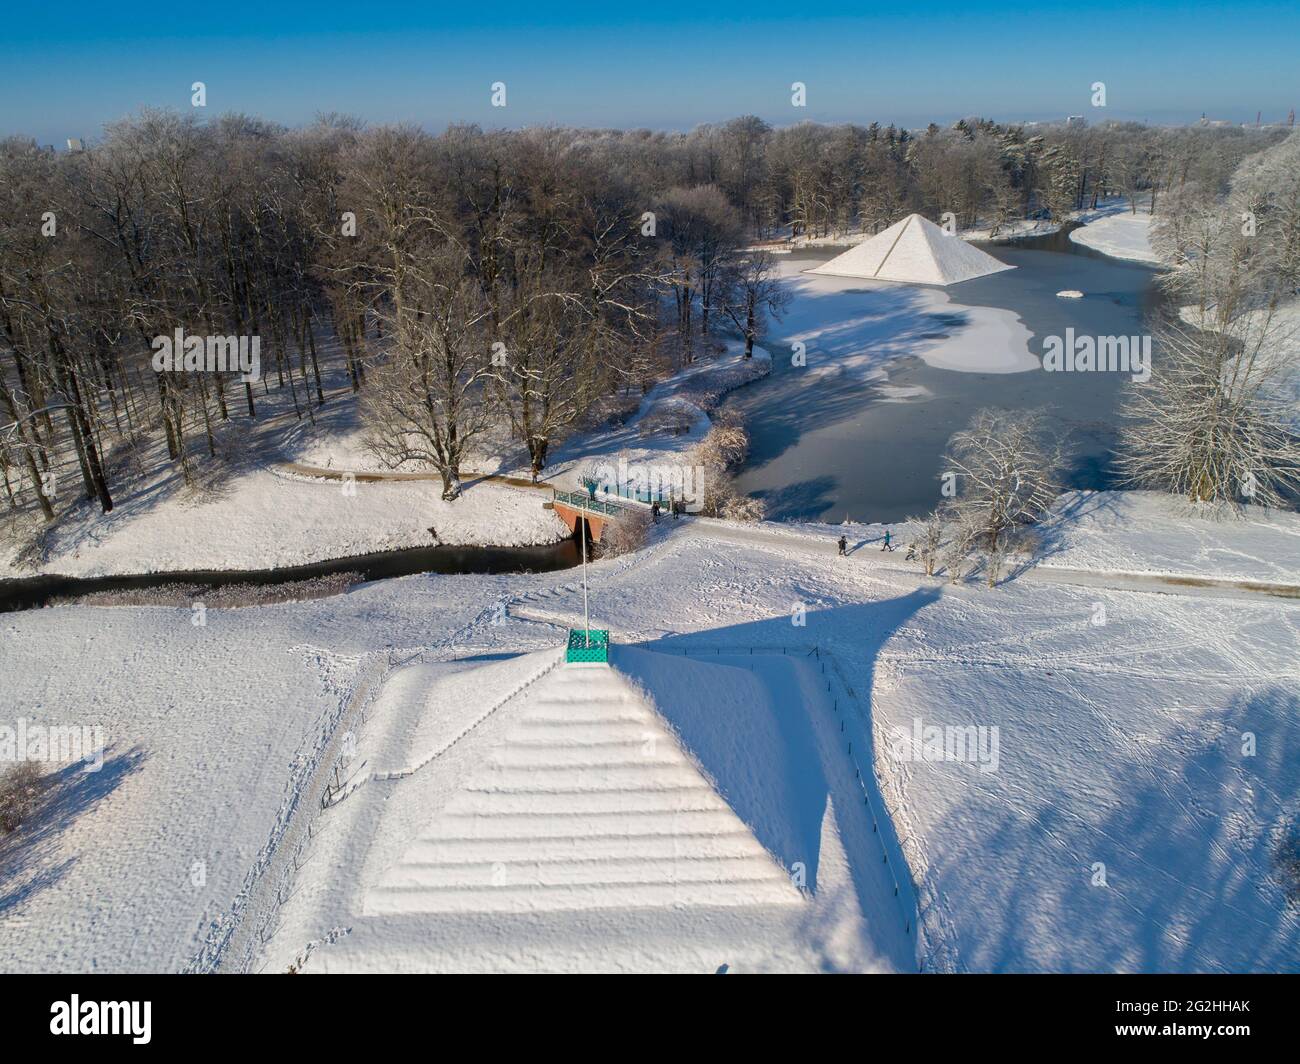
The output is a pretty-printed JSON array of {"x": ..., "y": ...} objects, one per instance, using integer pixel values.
[{"x": 844, "y": 546}]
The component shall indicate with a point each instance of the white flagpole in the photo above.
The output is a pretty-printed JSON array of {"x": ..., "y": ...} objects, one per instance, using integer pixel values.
[{"x": 586, "y": 615}]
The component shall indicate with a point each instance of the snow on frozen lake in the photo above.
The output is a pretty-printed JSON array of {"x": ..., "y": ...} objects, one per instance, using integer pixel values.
[{"x": 1121, "y": 235}]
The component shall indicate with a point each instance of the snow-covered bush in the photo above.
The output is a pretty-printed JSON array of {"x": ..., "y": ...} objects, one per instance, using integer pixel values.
[
  {"x": 962, "y": 535},
  {"x": 737, "y": 507},
  {"x": 1006, "y": 477},
  {"x": 20, "y": 787},
  {"x": 670, "y": 417},
  {"x": 930, "y": 539},
  {"x": 725, "y": 446},
  {"x": 625, "y": 533}
]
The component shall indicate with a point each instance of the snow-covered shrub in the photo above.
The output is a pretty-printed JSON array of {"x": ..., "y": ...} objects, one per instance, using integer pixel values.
[
  {"x": 737, "y": 507},
  {"x": 1006, "y": 474},
  {"x": 625, "y": 533},
  {"x": 725, "y": 446},
  {"x": 20, "y": 787},
  {"x": 930, "y": 539},
  {"x": 956, "y": 554},
  {"x": 707, "y": 387},
  {"x": 670, "y": 417}
]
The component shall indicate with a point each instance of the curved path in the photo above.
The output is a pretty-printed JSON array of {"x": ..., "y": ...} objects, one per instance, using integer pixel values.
[
  {"x": 374, "y": 476},
  {"x": 771, "y": 535},
  {"x": 767, "y": 533}
]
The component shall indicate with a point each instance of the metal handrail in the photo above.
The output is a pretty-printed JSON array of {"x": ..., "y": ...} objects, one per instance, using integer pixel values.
[{"x": 583, "y": 501}]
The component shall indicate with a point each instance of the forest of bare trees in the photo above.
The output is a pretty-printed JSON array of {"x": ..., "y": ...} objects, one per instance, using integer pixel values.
[{"x": 453, "y": 283}]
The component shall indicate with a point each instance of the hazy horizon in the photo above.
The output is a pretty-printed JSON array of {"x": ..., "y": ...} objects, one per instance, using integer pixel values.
[{"x": 66, "y": 73}]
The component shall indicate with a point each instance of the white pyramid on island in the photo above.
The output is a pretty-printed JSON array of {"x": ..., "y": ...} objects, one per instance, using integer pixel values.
[{"x": 915, "y": 251}]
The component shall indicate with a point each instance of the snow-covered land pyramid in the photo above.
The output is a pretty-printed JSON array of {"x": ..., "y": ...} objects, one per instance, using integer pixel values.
[
  {"x": 590, "y": 802},
  {"x": 666, "y": 812},
  {"x": 915, "y": 251}
]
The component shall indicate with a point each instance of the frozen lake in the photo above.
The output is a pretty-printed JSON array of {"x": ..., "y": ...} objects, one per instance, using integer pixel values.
[{"x": 860, "y": 432}]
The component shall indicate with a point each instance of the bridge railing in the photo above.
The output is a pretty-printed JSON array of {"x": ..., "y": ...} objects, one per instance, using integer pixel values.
[{"x": 581, "y": 500}]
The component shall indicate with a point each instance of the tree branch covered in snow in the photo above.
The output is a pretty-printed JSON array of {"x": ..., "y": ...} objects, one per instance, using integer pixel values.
[
  {"x": 1207, "y": 425},
  {"x": 1005, "y": 475}
]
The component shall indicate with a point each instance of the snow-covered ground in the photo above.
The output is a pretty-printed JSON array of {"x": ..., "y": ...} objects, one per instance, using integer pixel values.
[
  {"x": 1149, "y": 532},
  {"x": 209, "y": 732},
  {"x": 1128, "y": 823},
  {"x": 1113, "y": 229},
  {"x": 265, "y": 519}
]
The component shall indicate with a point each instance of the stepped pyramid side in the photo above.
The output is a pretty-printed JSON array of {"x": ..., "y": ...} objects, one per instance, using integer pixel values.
[
  {"x": 589, "y": 802},
  {"x": 914, "y": 251}
]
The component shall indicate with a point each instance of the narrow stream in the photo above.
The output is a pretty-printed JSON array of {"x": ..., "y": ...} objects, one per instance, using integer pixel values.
[{"x": 35, "y": 591}]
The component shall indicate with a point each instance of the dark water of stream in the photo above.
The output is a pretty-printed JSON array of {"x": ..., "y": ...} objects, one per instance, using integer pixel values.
[{"x": 35, "y": 591}]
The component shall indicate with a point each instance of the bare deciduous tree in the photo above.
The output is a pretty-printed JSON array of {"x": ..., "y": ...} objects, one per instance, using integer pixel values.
[
  {"x": 1210, "y": 423},
  {"x": 1006, "y": 475},
  {"x": 753, "y": 292}
]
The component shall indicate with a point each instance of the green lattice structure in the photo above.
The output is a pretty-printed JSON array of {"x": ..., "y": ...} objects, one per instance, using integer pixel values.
[{"x": 588, "y": 646}]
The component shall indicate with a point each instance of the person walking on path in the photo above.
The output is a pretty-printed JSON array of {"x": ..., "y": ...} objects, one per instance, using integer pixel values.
[
  {"x": 886, "y": 545},
  {"x": 654, "y": 511},
  {"x": 844, "y": 544}
]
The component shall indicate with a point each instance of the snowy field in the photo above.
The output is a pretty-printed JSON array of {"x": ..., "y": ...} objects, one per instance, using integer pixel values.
[
  {"x": 1120, "y": 761},
  {"x": 1148, "y": 532},
  {"x": 266, "y": 518},
  {"x": 208, "y": 734}
]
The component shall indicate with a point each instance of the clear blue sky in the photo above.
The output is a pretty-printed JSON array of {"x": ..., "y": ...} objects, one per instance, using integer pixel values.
[{"x": 67, "y": 68}]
